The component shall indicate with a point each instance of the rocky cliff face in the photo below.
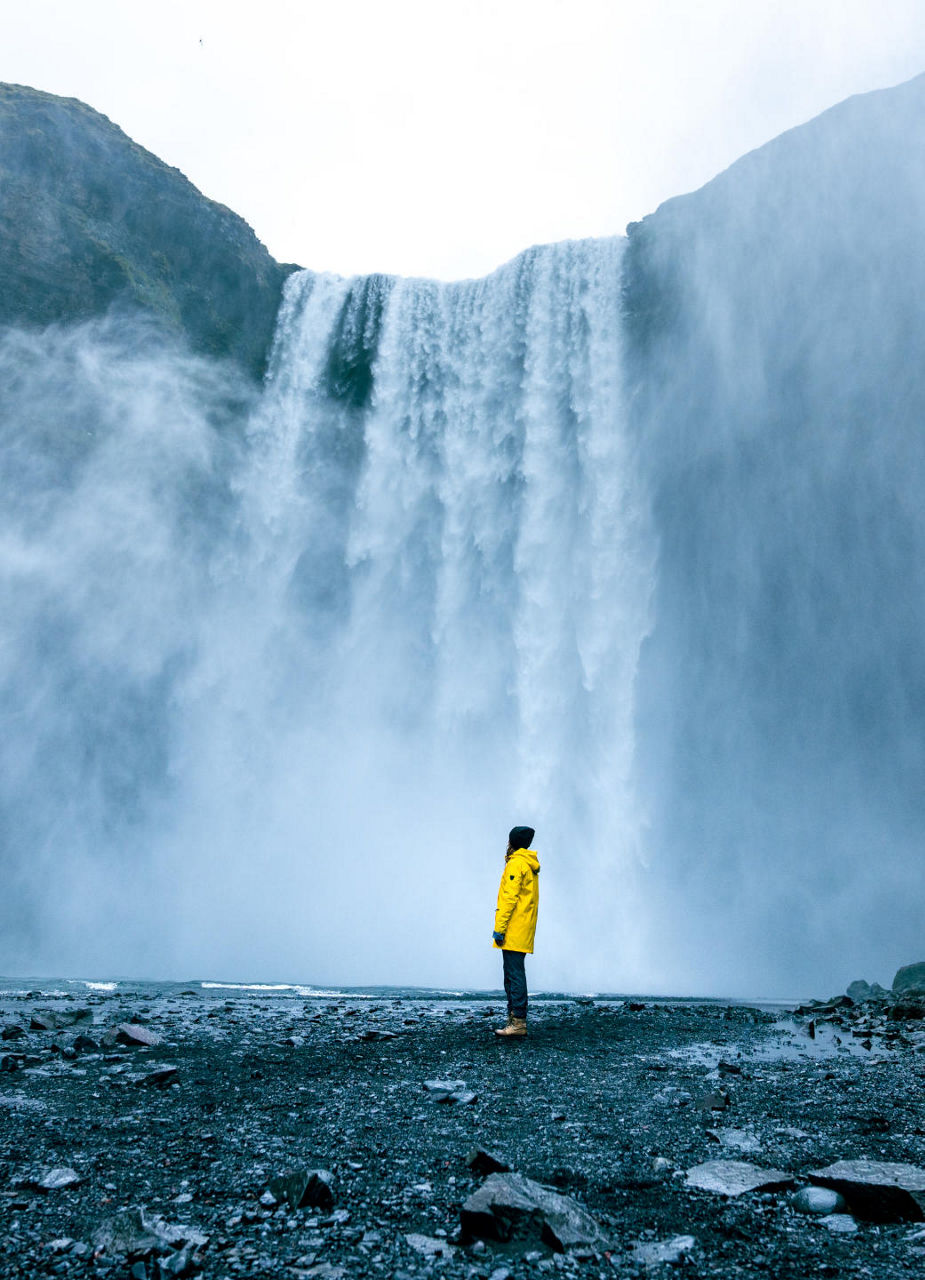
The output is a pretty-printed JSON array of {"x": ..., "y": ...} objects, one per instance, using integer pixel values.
[
  {"x": 776, "y": 322},
  {"x": 89, "y": 220}
]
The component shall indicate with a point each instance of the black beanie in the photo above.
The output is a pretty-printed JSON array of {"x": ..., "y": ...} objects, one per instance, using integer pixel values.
[{"x": 520, "y": 837}]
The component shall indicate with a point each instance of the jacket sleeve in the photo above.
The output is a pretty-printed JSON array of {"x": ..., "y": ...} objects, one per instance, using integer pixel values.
[{"x": 507, "y": 896}]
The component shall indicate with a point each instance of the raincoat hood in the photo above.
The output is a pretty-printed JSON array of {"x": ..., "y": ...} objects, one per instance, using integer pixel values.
[{"x": 528, "y": 855}]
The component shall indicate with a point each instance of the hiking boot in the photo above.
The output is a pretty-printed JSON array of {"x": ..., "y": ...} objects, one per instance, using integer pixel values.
[{"x": 515, "y": 1027}]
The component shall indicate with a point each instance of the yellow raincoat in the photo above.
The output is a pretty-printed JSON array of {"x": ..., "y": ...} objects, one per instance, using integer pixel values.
[{"x": 518, "y": 901}]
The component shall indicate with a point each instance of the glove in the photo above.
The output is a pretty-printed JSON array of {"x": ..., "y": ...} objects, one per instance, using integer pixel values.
[{"x": 498, "y": 938}]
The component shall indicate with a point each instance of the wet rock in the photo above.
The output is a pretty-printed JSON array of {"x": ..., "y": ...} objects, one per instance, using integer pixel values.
[
  {"x": 134, "y": 1232},
  {"x": 877, "y": 1190},
  {"x": 305, "y": 1189},
  {"x": 839, "y": 1223},
  {"x": 43, "y": 1020},
  {"x": 717, "y": 1100},
  {"x": 909, "y": 980},
  {"x": 654, "y": 1253},
  {"x": 12, "y": 1032},
  {"x": 449, "y": 1091},
  {"x": 819, "y": 1200},
  {"x": 57, "y": 1179},
  {"x": 735, "y": 1177},
  {"x": 56, "y": 1020},
  {"x": 483, "y": 1162},
  {"x": 735, "y": 1139},
  {"x": 909, "y": 1008},
  {"x": 159, "y": 1074},
  {"x": 133, "y": 1033},
  {"x": 429, "y": 1246},
  {"x": 510, "y": 1207},
  {"x": 60, "y": 1245}
]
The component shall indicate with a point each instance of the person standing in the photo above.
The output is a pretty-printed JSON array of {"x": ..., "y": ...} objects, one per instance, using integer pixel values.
[{"x": 515, "y": 924}]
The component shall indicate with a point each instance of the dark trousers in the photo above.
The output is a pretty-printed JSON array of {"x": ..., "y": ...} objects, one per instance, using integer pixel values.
[{"x": 515, "y": 983}]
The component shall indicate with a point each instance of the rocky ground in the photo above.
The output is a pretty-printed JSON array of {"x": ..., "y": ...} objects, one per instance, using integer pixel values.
[{"x": 124, "y": 1158}]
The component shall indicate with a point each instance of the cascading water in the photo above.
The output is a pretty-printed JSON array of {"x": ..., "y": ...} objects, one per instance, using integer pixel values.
[
  {"x": 445, "y": 591},
  {"x": 624, "y": 541},
  {"x": 303, "y": 677}
]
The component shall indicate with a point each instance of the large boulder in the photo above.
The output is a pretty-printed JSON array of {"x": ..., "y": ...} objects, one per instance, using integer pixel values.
[
  {"x": 878, "y": 1190},
  {"x": 910, "y": 980},
  {"x": 90, "y": 220}
]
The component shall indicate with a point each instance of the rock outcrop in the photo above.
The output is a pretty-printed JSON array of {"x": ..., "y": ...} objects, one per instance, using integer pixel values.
[{"x": 89, "y": 220}]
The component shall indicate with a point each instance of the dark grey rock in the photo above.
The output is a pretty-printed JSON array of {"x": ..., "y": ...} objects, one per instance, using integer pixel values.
[
  {"x": 483, "y": 1162},
  {"x": 818, "y": 1200},
  {"x": 509, "y": 1207},
  {"x": 655, "y": 1253},
  {"x": 735, "y": 1177},
  {"x": 45, "y": 1020},
  {"x": 877, "y": 1190},
  {"x": 133, "y": 1033},
  {"x": 859, "y": 991},
  {"x": 12, "y": 1032},
  {"x": 135, "y": 1231},
  {"x": 159, "y": 1074},
  {"x": 910, "y": 979},
  {"x": 429, "y": 1246},
  {"x": 449, "y": 1091},
  {"x": 305, "y": 1189},
  {"x": 118, "y": 227}
]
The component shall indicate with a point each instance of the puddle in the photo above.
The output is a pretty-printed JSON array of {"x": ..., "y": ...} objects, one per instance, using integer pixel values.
[{"x": 787, "y": 1042}]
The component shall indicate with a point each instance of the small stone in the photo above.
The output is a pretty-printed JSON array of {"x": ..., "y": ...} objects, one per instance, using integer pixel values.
[
  {"x": 269, "y": 1200},
  {"x": 735, "y": 1177},
  {"x": 12, "y": 1032},
  {"x": 429, "y": 1246},
  {"x": 735, "y": 1139},
  {"x": 483, "y": 1162},
  {"x": 133, "y": 1033},
  {"x": 44, "y": 1021},
  {"x": 57, "y": 1179},
  {"x": 61, "y": 1245},
  {"x": 305, "y": 1189},
  {"x": 656, "y": 1252},
  {"x": 160, "y": 1074},
  {"x": 841, "y": 1223},
  {"x": 820, "y": 1200},
  {"x": 718, "y": 1100},
  {"x": 448, "y": 1091}
]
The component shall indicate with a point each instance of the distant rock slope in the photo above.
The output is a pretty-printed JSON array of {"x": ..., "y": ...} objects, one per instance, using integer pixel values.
[{"x": 89, "y": 219}]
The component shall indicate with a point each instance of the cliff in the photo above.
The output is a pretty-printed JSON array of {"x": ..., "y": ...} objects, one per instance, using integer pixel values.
[
  {"x": 90, "y": 220},
  {"x": 776, "y": 335}
]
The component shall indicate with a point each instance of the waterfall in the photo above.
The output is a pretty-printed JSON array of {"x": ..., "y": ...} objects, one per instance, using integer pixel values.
[{"x": 444, "y": 592}]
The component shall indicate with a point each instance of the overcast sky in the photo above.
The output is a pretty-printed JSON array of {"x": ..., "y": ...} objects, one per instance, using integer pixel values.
[{"x": 440, "y": 137}]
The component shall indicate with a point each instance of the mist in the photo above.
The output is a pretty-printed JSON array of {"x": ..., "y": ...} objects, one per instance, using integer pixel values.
[{"x": 623, "y": 541}]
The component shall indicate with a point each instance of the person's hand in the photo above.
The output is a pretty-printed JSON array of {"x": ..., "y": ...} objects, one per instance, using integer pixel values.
[{"x": 498, "y": 938}]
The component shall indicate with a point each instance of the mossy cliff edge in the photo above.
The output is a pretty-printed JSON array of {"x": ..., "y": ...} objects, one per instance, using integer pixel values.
[{"x": 90, "y": 220}]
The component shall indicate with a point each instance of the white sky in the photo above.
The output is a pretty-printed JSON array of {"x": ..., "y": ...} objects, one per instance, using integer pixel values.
[{"x": 440, "y": 137}]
